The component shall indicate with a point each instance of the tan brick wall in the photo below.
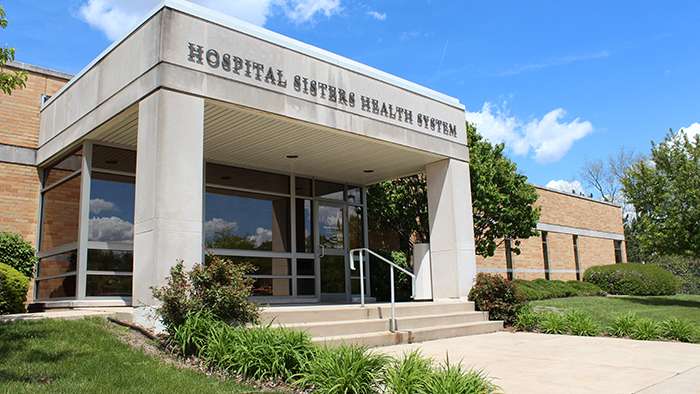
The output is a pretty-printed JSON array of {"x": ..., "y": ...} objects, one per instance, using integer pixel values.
[
  {"x": 19, "y": 112},
  {"x": 19, "y": 200},
  {"x": 572, "y": 211}
]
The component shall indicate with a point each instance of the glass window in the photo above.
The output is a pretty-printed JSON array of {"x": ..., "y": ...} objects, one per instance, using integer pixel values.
[
  {"x": 272, "y": 287},
  {"x": 64, "y": 168},
  {"x": 55, "y": 288},
  {"x": 330, "y": 226},
  {"x": 305, "y": 266},
  {"x": 304, "y": 230},
  {"x": 247, "y": 179},
  {"x": 108, "y": 285},
  {"x": 61, "y": 211},
  {"x": 111, "y": 208},
  {"x": 333, "y": 274},
  {"x": 114, "y": 159},
  {"x": 333, "y": 191},
  {"x": 356, "y": 233},
  {"x": 58, "y": 264},
  {"x": 355, "y": 194},
  {"x": 303, "y": 187},
  {"x": 306, "y": 287},
  {"x": 110, "y": 260},
  {"x": 242, "y": 220}
]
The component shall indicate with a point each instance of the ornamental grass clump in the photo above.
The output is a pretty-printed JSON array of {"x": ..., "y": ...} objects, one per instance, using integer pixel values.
[
  {"x": 678, "y": 329},
  {"x": 408, "y": 374},
  {"x": 553, "y": 323},
  {"x": 348, "y": 369},
  {"x": 646, "y": 330},
  {"x": 632, "y": 279},
  {"x": 453, "y": 379},
  {"x": 528, "y": 319},
  {"x": 581, "y": 323},
  {"x": 622, "y": 325}
]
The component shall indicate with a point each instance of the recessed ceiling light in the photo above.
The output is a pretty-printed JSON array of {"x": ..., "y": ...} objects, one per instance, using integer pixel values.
[
  {"x": 226, "y": 178},
  {"x": 111, "y": 161},
  {"x": 292, "y": 156},
  {"x": 368, "y": 171}
]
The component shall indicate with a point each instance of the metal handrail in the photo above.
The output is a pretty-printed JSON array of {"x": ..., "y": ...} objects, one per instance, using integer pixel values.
[{"x": 391, "y": 276}]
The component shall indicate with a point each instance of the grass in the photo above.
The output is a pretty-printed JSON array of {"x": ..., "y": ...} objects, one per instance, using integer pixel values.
[
  {"x": 59, "y": 356},
  {"x": 603, "y": 309}
]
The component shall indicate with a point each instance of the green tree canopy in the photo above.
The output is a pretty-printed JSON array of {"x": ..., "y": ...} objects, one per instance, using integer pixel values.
[
  {"x": 501, "y": 200},
  {"x": 665, "y": 191},
  {"x": 16, "y": 79}
]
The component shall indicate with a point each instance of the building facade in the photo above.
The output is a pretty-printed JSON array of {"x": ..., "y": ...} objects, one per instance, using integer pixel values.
[
  {"x": 575, "y": 233},
  {"x": 200, "y": 133}
]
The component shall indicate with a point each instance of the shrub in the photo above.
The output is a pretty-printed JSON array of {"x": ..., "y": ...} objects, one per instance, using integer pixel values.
[
  {"x": 13, "y": 290},
  {"x": 646, "y": 330},
  {"x": 540, "y": 289},
  {"x": 219, "y": 286},
  {"x": 678, "y": 329},
  {"x": 623, "y": 325},
  {"x": 344, "y": 369},
  {"x": 581, "y": 323},
  {"x": 408, "y": 374},
  {"x": 379, "y": 276},
  {"x": 632, "y": 279},
  {"x": 17, "y": 253},
  {"x": 497, "y": 295}
]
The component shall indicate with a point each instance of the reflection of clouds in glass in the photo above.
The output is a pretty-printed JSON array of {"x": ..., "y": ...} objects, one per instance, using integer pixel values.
[
  {"x": 217, "y": 224},
  {"x": 110, "y": 229},
  {"x": 263, "y": 235},
  {"x": 98, "y": 205}
]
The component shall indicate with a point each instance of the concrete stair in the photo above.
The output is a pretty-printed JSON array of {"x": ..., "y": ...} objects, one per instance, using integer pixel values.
[{"x": 415, "y": 321}]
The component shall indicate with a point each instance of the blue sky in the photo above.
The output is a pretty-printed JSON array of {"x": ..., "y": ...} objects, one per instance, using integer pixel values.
[{"x": 554, "y": 80}]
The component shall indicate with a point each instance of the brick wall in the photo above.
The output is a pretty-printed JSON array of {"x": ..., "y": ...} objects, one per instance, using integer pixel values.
[{"x": 568, "y": 210}]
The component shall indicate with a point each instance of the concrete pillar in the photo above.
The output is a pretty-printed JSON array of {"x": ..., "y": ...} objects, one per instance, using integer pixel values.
[
  {"x": 169, "y": 191},
  {"x": 451, "y": 229}
]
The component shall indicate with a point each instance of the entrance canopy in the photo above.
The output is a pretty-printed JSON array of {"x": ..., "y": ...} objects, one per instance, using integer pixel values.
[{"x": 192, "y": 99}]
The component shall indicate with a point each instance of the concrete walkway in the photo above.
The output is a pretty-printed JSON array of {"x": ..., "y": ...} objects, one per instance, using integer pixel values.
[
  {"x": 124, "y": 313},
  {"x": 543, "y": 364}
]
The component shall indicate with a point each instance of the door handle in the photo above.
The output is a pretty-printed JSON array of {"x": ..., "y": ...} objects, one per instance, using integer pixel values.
[{"x": 323, "y": 251}]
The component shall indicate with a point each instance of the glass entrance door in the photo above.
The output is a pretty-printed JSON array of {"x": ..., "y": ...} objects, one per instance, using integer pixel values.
[{"x": 331, "y": 254}]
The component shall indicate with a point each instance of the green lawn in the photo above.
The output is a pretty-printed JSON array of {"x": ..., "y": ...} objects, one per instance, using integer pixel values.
[
  {"x": 85, "y": 356},
  {"x": 655, "y": 307}
]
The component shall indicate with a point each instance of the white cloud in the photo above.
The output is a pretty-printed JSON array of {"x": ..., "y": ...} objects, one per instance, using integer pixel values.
[
  {"x": 408, "y": 34},
  {"x": 692, "y": 130},
  {"x": 263, "y": 235},
  {"x": 566, "y": 186},
  {"x": 116, "y": 17},
  {"x": 110, "y": 229},
  {"x": 377, "y": 15},
  {"x": 98, "y": 205},
  {"x": 217, "y": 224},
  {"x": 546, "y": 137}
]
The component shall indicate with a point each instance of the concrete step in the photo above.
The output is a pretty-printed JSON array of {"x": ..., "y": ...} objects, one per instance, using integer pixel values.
[
  {"x": 413, "y": 336},
  {"x": 427, "y": 321},
  {"x": 318, "y": 313}
]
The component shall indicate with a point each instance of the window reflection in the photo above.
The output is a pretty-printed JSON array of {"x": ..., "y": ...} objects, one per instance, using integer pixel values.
[
  {"x": 304, "y": 226},
  {"x": 108, "y": 286},
  {"x": 355, "y": 227},
  {"x": 61, "y": 209},
  {"x": 355, "y": 195},
  {"x": 334, "y": 191},
  {"x": 63, "y": 168},
  {"x": 247, "y": 179},
  {"x": 272, "y": 287},
  {"x": 303, "y": 186},
  {"x": 242, "y": 220},
  {"x": 56, "y": 287},
  {"x": 57, "y": 264},
  {"x": 110, "y": 260},
  {"x": 111, "y": 208},
  {"x": 330, "y": 226},
  {"x": 114, "y": 159}
]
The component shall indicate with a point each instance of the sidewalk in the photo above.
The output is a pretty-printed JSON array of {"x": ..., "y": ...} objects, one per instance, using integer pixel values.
[
  {"x": 552, "y": 364},
  {"x": 120, "y": 313}
]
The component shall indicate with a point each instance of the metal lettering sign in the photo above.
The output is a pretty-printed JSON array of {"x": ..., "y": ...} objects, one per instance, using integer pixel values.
[{"x": 314, "y": 88}]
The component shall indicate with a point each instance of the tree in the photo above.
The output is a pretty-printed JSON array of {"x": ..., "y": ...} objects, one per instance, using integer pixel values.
[
  {"x": 605, "y": 176},
  {"x": 501, "y": 199},
  {"x": 665, "y": 191},
  {"x": 16, "y": 80}
]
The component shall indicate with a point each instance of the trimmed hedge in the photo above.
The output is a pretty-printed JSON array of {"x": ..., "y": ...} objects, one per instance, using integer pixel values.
[
  {"x": 542, "y": 289},
  {"x": 17, "y": 253},
  {"x": 632, "y": 279},
  {"x": 13, "y": 290}
]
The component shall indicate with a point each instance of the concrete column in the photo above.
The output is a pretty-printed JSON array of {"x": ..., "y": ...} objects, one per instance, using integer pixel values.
[
  {"x": 169, "y": 191},
  {"x": 451, "y": 229}
]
